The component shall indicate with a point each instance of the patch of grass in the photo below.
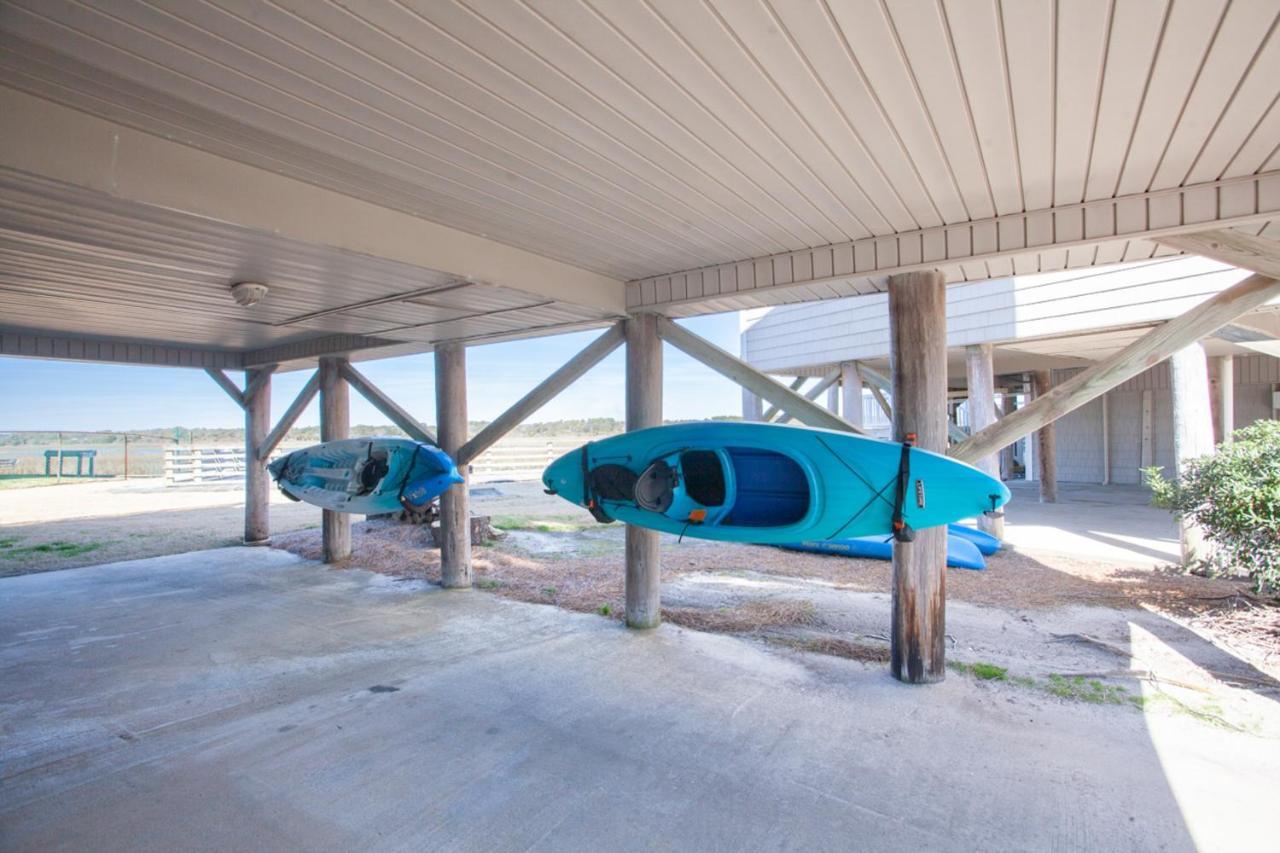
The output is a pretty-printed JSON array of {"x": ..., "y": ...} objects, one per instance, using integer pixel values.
[
  {"x": 8, "y": 542},
  {"x": 59, "y": 549},
  {"x": 549, "y": 591},
  {"x": 487, "y": 583},
  {"x": 538, "y": 525},
  {"x": 980, "y": 671},
  {"x": 605, "y": 610},
  {"x": 1081, "y": 689}
]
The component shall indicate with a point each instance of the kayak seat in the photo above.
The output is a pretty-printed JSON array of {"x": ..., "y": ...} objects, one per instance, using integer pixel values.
[
  {"x": 655, "y": 490},
  {"x": 703, "y": 476},
  {"x": 371, "y": 474},
  {"x": 613, "y": 482},
  {"x": 772, "y": 489}
]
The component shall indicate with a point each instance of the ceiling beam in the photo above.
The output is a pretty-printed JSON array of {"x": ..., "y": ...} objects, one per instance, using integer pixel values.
[
  {"x": 311, "y": 348},
  {"x": 25, "y": 344},
  {"x": 57, "y": 142},
  {"x": 1142, "y": 216}
]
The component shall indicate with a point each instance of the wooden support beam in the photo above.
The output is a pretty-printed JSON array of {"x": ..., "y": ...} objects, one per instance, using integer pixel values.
[
  {"x": 877, "y": 392},
  {"x": 1046, "y": 444},
  {"x": 290, "y": 416},
  {"x": 1226, "y": 398},
  {"x": 981, "y": 379},
  {"x": 257, "y": 481},
  {"x": 878, "y": 381},
  {"x": 851, "y": 389},
  {"x": 254, "y": 385},
  {"x": 644, "y": 409},
  {"x": 918, "y": 359},
  {"x": 1256, "y": 254},
  {"x": 225, "y": 383},
  {"x": 571, "y": 372},
  {"x": 796, "y": 384},
  {"x": 455, "y": 503},
  {"x": 1151, "y": 349},
  {"x": 805, "y": 411},
  {"x": 1106, "y": 439},
  {"x": 335, "y": 425},
  {"x": 1192, "y": 431},
  {"x": 752, "y": 411},
  {"x": 384, "y": 404},
  {"x": 825, "y": 383}
]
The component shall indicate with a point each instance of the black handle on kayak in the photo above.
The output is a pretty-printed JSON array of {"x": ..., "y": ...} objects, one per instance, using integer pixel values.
[{"x": 902, "y": 531}]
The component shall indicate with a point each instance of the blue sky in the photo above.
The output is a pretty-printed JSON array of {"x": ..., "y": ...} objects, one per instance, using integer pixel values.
[{"x": 52, "y": 395}]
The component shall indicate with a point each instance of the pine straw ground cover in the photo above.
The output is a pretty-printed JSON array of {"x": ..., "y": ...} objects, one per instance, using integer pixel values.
[{"x": 586, "y": 576}]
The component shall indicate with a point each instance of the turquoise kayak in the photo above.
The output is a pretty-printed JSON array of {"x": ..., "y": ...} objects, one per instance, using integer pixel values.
[
  {"x": 767, "y": 483},
  {"x": 367, "y": 476},
  {"x": 961, "y": 553}
]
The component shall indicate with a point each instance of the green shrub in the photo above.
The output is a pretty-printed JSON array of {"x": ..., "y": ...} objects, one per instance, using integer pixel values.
[{"x": 1234, "y": 495}]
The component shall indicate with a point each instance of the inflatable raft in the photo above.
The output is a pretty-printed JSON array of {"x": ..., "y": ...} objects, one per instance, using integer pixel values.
[
  {"x": 367, "y": 476},
  {"x": 769, "y": 484}
]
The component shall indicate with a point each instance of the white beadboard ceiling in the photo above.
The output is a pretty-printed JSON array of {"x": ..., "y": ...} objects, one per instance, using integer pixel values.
[{"x": 641, "y": 138}]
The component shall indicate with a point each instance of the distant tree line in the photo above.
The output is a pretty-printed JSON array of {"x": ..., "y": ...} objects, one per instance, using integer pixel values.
[{"x": 232, "y": 436}]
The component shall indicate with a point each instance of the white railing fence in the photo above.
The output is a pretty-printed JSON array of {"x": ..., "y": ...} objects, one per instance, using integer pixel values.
[{"x": 203, "y": 464}]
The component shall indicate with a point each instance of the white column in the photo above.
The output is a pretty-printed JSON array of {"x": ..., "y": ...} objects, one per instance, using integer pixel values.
[
  {"x": 851, "y": 388},
  {"x": 1192, "y": 428},
  {"x": 1226, "y": 398},
  {"x": 980, "y": 374}
]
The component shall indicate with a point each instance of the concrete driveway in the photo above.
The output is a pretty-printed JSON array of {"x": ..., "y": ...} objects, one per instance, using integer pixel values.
[{"x": 243, "y": 699}]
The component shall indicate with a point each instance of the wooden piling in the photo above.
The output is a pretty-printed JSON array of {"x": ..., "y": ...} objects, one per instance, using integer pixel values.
[
  {"x": 335, "y": 424},
  {"x": 455, "y": 503},
  {"x": 257, "y": 481},
  {"x": 644, "y": 409},
  {"x": 918, "y": 362},
  {"x": 851, "y": 391}
]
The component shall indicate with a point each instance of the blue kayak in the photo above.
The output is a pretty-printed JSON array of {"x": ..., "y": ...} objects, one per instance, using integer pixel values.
[
  {"x": 768, "y": 483},
  {"x": 987, "y": 544},
  {"x": 368, "y": 476},
  {"x": 961, "y": 553}
]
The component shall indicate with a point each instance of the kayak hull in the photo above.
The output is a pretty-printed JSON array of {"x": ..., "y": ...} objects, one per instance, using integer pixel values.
[
  {"x": 985, "y": 542},
  {"x": 365, "y": 476},
  {"x": 776, "y": 484},
  {"x": 961, "y": 553}
]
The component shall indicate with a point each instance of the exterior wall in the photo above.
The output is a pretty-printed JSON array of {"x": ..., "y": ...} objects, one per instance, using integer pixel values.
[
  {"x": 1079, "y": 434},
  {"x": 816, "y": 335}
]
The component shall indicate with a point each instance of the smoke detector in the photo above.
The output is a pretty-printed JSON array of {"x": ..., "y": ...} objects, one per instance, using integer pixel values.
[{"x": 247, "y": 293}]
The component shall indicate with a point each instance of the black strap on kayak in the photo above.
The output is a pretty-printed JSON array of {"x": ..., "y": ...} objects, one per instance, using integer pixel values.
[
  {"x": 408, "y": 471},
  {"x": 902, "y": 531},
  {"x": 588, "y": 496}
]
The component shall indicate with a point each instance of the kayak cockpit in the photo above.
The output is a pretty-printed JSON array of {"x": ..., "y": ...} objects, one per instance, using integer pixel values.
[{"x": 727, "y": 487}]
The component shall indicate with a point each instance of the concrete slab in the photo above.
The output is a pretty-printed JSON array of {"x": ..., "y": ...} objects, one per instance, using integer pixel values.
[
  {"x": 1115, "y": 523},
  {"x": 244, "y": 699}
]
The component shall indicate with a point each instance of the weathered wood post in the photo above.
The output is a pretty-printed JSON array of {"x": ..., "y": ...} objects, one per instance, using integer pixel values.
[
  {"x": 851, "y": 390},
  {"x": 335, "y": 424},
  {"x": 644, "y": 409},
  {"x": 455, "y": 503},
  {"x": 982, "y": 414},
  {"x": 1046, "y": 445},
  {"x": 1192, "y": 429},
  {"x": 752, "y": 410},
  {"x": 918, "y": 362},
  {"x": 257, "y": 482},
  {"x": 833, "y": 398},
  {"x": 1226, "y": 398}
]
